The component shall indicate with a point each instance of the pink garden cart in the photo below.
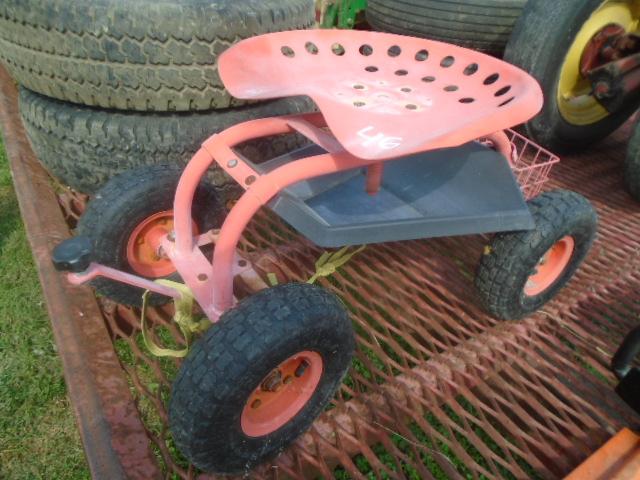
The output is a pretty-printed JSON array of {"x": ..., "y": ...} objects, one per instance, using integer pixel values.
[{"x": 410, "y": 142}]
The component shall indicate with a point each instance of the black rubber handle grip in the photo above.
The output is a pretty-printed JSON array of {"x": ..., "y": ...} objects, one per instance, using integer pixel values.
[
  {"x": 628, "y": 350},
  {"x": 73, "y": 255}
]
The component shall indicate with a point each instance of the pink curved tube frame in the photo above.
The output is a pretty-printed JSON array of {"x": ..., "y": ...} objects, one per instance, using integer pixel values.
[
  {"x": 212, "y": 283},
  {"x": 215, "y": 293}
]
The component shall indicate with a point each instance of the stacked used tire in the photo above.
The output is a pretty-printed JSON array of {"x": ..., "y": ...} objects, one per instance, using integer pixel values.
[
  {"x": 113, "y": 84},
  {"x": 483, "y": 25}
]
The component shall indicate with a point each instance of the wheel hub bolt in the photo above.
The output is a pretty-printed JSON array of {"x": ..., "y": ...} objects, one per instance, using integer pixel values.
[
  {"x": 272, "y": 382},
  {"x": 301, "y": 368},
  {"x": 602, "y": 89}
]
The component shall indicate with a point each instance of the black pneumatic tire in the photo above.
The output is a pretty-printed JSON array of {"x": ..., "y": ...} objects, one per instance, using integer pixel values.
[
  {"x": 135, "y": 54},
  {"x": 235, "y": 355},
  {"x": 122, "y": 204},
  {"x": 483, "y": 25},
  {"x": 632, "y": 165},
  {"x": 84, "y": 147},
  {"x": 510, "y": 258},
  {"x": 539, "y": 44}
]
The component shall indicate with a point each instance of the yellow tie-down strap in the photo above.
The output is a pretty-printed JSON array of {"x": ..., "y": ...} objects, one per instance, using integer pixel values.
[
  {"x": 326, "y": 265},
  {"x": 183, "y": 317}
]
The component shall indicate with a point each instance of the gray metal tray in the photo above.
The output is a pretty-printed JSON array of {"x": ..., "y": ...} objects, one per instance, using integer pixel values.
[{"x": 455, "y": 191}]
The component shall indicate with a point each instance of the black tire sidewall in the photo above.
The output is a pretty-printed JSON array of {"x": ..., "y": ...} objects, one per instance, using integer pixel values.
[
  {"x": 483, "y": 25},
  {"x": 84, "y": 147},
  {"x": 580, "y": 229},
  {"x": 512, "y": 257},
  {"x": 236, "y": 443},
  {"x": 122, "y": 205},
  {"x": 632, "y": 164},
  {"x": 214, "y": 440},
  {"x": 140, "y": 55},
  {"x": 539, "y": 44}
]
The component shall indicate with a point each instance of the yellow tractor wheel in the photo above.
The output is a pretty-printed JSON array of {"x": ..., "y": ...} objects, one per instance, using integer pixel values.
[
  {"x": 552, "y": 40},
  {"x": 575, "y": 101}
]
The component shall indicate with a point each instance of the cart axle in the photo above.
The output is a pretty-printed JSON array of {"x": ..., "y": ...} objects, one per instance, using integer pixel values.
[{"x": 611, "y": 62}]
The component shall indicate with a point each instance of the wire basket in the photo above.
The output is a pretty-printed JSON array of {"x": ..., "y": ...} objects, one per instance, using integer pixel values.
[{"x": 531, "y": 164}]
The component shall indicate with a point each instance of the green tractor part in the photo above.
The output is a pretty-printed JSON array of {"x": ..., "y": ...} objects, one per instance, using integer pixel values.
[{"x": 340, "y": 13}]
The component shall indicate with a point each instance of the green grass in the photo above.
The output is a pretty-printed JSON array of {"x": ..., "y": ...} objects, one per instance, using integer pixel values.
[{"x": 38, "y": 435}]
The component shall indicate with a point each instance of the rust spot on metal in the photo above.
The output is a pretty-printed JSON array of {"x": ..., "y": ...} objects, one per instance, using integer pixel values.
[{"x": 115, "y": 440}]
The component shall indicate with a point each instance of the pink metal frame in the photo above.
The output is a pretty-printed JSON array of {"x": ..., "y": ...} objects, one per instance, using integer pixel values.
[{"x": 212, "y": 282}]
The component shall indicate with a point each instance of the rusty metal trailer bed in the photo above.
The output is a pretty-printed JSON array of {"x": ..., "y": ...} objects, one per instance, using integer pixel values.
[{"x": 438, "y": 389}]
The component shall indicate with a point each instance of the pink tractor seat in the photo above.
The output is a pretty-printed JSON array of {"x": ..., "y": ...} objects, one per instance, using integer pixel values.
[{"x": 384, "y": 95}]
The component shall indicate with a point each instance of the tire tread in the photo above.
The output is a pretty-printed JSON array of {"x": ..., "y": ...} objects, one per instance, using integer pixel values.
[
  {"x": 481, "y": 24},
  {"x": 268, "y": 321},
  {"x": 502, "y": 272},
  {"x": 135, "y": 55},
  {"x": 84, "y": 147}
]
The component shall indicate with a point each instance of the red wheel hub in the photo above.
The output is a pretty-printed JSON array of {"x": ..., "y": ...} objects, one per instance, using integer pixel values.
[
  {"x": 143, "y": 247},
  {"x": 550, "y": 266},
  {"x": 282, "y": 394},
  {"x": 604, "y": 47}
]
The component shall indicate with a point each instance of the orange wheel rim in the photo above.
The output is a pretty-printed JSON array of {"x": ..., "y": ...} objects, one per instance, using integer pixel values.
[
  {"x": 550, "y": 266},
  {"x": 281, "y": 394},
  {"x": 143, "y": 247}
]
